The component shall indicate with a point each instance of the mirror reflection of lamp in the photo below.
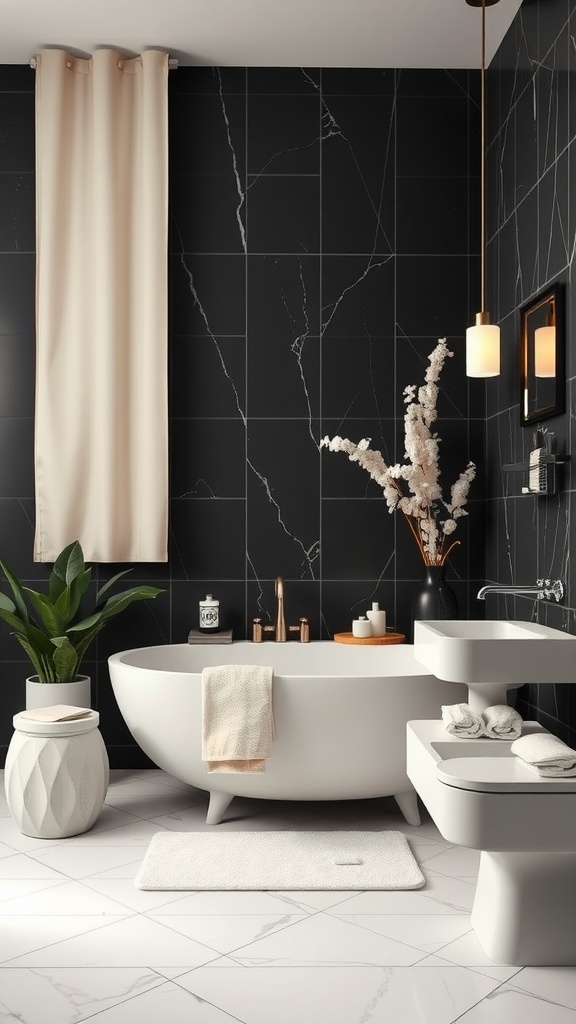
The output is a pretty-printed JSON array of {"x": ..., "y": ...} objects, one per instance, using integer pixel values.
[{"x": 545, "y": 347}]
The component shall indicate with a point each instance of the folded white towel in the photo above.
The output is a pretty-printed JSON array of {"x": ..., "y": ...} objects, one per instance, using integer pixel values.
[
  {"x": 545, "y": 754},
  {"x": 237, "y": 720},
  {"x": 502, "y": 722},
  {"x": 461, "y": 720}
]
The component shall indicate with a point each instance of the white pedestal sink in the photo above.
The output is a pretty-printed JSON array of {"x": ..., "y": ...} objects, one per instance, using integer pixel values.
[{"x": 493, "y": 656}]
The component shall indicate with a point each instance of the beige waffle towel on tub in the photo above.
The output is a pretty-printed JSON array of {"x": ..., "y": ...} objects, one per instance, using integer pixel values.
[{"x": 237, "y": 719}]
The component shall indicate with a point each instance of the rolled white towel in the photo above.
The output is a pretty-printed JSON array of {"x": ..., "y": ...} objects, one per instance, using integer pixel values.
[
  {"x": 502, "y": 722},
  {"x": 545, "y": 754},
  {"x": 461, "y": 720}
]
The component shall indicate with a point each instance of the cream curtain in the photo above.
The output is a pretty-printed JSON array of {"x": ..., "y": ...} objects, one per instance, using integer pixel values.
[{"x": 101, "y": 459}]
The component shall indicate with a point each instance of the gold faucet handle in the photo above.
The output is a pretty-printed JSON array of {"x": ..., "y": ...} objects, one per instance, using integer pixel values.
[{"x": 303, "y": 630}]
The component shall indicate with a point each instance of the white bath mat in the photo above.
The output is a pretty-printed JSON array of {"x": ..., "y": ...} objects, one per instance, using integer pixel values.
[{"x": 279, "y": 860}]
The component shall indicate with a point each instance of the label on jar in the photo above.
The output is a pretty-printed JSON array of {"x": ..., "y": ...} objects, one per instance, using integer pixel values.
[{"x": 209, "y": 616}]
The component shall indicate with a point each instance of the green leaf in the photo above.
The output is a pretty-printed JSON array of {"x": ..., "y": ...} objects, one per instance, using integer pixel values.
[
  {"x": 17, "y": 591},
  {"x": 92, "y": 620},
  {"x": 47, "y": 612},
  {"x": 41, "y": 665},
  {"x": 69, "y": 600},
  {"x": 70, "y": 563},
  {"x": 83, "y": 642},
  {"x": 6, "y": 604},
  {"x": 65, "y": 659},
  {"x": 118, "y": 602},
  {"x": 110, "y": 583},
  {"x": 11, "y": 619}
]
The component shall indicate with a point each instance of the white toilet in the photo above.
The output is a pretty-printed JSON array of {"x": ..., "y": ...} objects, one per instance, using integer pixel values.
[{"x": 481, "y": 796}]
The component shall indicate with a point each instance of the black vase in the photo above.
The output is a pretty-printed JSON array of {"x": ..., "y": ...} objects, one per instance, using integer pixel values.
[{"x": 435, "y": 599}]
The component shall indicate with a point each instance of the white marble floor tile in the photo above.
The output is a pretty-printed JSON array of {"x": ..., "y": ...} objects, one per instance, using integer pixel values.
[
  {"x": 557, "y": 984},
  {"x": 508, "y": 1005},
  {"x": 138, "y": 832},
  {"x": 69, "y": 898},
  {"x": 112, "y": 817},
  {"x": 222, "y": 902},
  {"x": 11, "y": 836},
  {"x": 169, "y": 1002},
  {"x": 311, "y": 995},
  {"x": 427, "y": 932},
  {"x": 78, "y": 861},
  {"x": 322, "y": 940},
  {"x": 193, "y": 819},
  {"x": 496, "y": 971},
  {"x": 23, "y": 866},
  {"x": 6, "y": 851},
  {"x": 13, "y": 888},
  {"x": 165, "y": 779},
  {"x": 123, "y": 891},
  {"x": 457, "y": 862},
  {"x": 22, "y": 935},
  {"x": 409, "y": 902},
  {"x": 126, "y": 871},
  {"x": 454, "y": 893},
  {"x": 227, "y": 933},
  {"x": 149, "y": 799},
  {"x": 467, "y": 952},
  {"x": 129, "y": 942},
  {"x": 312, "y": 899},
  {"x": 69, "y": 994}
]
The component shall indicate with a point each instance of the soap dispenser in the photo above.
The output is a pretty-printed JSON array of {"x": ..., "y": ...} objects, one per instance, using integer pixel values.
[{"x": 377, "y": 619}]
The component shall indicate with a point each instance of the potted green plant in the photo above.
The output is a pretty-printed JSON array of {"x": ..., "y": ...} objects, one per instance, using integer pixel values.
[{"x": 53, "y": 631}]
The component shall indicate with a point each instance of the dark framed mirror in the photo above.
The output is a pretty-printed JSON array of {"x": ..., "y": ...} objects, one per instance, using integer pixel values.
[{"x": 542, "y": 373}]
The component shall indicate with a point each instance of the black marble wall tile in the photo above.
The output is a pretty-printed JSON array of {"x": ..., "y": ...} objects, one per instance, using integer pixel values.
[
  {"x": 323, "y": 234},
  {"x": 530, "y": 537},
  {"x": 553, "y": 220},
  {"x": 432, "y": 135},
  {"x": 17, "y": 213},
  {"x": 552, "y": 98},
  {"x": 440, "y": 283},
  {"x": 208, "y": 376},
  {"x": 283, "y": 364}
]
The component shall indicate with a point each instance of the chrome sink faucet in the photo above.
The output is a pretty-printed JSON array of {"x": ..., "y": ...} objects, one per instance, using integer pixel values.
[
  {"x": 542, "y": 589},
  {"x": 280, "y": 629}
]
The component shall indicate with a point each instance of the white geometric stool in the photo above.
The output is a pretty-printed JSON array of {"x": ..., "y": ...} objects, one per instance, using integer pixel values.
[{"x": 56, "y": 776}]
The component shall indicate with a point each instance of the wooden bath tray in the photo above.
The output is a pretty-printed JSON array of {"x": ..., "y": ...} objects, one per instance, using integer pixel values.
[{"x": 349, "y": 638}]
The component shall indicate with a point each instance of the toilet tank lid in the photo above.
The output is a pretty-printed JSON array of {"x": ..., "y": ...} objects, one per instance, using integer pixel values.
[{"x": 498, "y": 775}]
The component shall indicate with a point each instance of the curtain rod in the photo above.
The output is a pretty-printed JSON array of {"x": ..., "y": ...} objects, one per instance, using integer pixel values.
[{"x": 172, "y": 63}]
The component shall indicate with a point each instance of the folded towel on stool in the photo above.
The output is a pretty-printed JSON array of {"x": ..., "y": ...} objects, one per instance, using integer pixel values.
[
  {"x": 545, "y": 754},
  {"x": 502, "y": 722},
  {"x": 460, "y": 720}
]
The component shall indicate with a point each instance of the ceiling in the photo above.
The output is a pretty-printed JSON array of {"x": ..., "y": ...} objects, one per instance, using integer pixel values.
[{"x": 262, "y": 33}]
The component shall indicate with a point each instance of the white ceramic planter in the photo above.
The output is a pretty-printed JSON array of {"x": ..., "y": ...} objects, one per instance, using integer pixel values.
[
  {"x": 44, "y": 695},
  {"x": 56, "y": 776}
]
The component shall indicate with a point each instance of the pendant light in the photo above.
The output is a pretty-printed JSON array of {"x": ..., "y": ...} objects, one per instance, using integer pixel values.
[{"x": 483, "y": 340}]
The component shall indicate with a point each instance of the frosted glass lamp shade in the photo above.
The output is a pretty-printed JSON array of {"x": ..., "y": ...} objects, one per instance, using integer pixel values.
[
  {"x": 545, "y": 352},
  {"x": 483, "y": 350}
]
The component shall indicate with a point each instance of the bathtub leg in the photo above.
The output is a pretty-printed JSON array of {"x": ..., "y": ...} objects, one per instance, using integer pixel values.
[
  {"x": 219, "y": 802},
  {"x": 408, "y": 804}
]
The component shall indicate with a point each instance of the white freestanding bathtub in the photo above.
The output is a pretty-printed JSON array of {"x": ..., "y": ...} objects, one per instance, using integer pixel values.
[{"x": 340, "y": 714}]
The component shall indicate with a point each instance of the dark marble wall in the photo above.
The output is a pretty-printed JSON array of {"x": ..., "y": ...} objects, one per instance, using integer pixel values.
[
  {"x": 532, "y": 194},
  {"x": 321, "y": 226}
]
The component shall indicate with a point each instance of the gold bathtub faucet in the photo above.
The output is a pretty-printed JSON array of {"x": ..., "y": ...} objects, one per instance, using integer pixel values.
[{"x": 280, "y": 629}]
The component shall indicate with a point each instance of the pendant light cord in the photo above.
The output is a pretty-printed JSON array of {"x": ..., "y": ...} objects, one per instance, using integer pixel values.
[{"x": 483, "y": 166}]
